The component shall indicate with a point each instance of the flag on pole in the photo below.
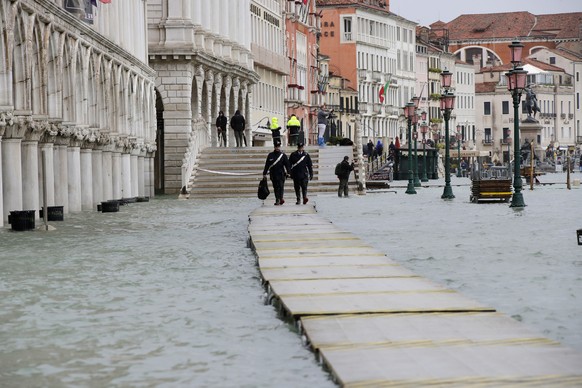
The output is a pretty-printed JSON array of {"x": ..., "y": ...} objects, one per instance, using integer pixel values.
[
  {"x": 384, "y": 89},
  {"x": 305, "y": 2},
  {"x": 105, "y": 1}
]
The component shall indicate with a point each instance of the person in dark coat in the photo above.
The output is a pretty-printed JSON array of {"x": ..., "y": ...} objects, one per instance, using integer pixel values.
[
  {"x": 379, "y": 149},
  {"x": 301, "y": 172},
  {"x": 345, "y": 169},
  {"x": 370, "y": 150},
  {"x": 277, "y": 166},
  {"x": 221, "y": 128},
  {"x": 238, "y": 123}
]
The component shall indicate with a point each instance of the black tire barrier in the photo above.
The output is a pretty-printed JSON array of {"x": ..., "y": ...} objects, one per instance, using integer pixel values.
[
  {"x": 109, "y": 206},
  {"x": 54, "y": 213},
  {"x": 143, "y": 199},
  {"x": 579, "y": 235},
  {"x": 21, "y": 220}
]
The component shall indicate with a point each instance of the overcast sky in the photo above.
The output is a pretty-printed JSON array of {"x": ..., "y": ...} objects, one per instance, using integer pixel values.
[{"x": 426, "y": 12}]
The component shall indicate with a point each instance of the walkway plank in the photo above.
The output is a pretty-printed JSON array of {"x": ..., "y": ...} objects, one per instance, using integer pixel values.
[{"x": 374, "y": 323}]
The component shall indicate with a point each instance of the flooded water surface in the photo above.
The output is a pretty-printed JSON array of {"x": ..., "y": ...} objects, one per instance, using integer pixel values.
[{"x": 166, "y": 293}]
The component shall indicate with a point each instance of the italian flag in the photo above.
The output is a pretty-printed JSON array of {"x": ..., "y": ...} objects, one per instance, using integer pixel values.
[{"x": 384, "y": 90}]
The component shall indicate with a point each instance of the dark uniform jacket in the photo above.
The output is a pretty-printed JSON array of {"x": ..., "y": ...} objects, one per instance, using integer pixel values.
[
  {"x": 237, "y": 122},
  {"x": 221, "y": 122},
  {"x": 345, "y": 169},
  {"x": 279, "y": 170},
  {"x": 302, "y": 170}
]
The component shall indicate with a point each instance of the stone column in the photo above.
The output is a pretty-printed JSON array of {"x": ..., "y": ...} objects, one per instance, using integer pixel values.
[
  {"x": 107, "y": 176},
  {"x": 86, "y": 179},
  {"x": 151, "y": 175},
  {"x": 47, "y": 152},
  {"x": 134, "y": 176},
  {"x": 74, "y": 175},
  {"x": 30, "y": 188},
  {"x": 146, "y": 176},
  {"x": 97, "y": 172},
  {"x": 61, "y": 177},
  {"x": 1, "y": 194},
  {"x": 125, "y": 175},
  {"x": 116, "y": 169},
  {"x": 140, "y": 177},
  {"x": 12, "y": 175}
]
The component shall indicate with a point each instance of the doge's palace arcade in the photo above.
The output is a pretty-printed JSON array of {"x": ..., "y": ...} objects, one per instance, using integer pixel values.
[
  {"x": 201, "y": 51},
  {"x": 73, "y": 97}
]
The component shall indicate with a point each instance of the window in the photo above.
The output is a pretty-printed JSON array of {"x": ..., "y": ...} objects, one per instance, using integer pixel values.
[
  {"x": 488, "y": 138},
  {"x": 347, "y": 28},
  {"x": 552, "y": 60},
  {"x": 505, "y": 107},
  {"x": 487, "y": 108}
]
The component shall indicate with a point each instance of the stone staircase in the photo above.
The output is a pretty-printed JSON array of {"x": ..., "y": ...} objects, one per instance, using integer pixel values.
[{"x": 236, "y": 172}]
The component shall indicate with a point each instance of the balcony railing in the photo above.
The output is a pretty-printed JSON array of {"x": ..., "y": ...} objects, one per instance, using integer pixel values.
[
  {"x": 487, "y": 142},
  {"x": 362, "y": 74},
  {"x": 376, "y": 76}
]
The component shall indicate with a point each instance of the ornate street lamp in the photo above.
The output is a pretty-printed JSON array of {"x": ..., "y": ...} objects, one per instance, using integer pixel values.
[
  {"x": 459, "y": 150},
  {"x": 424, "y": 130},
  {"x": 447, "y": 104},
  {"x": 416, "y": 101},
  {"x": 409, "y": 113},
  {"x": 516, "y": 83}
]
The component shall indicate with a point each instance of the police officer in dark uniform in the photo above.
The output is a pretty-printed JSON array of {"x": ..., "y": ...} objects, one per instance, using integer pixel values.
[
  {"x": 301, "y": 172},
  {"x": 277, "y": 166}
]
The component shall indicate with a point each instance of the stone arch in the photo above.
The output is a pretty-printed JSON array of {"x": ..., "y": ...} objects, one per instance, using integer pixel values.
[
  {"x": 196, "y": 92},
  {"x": 205, "y": 103},
  {"x": 54, "y": 71},
  {"x": 5, "y": 79},
  {"x": 37, "y": 70},
  {"x": 159, "y": 186},
  {"x": 534, "y": 49},
  {"x": 68, "y": 80},
  {"x": 487, "y": 55},
  {"x": 92, "y": 91},
  {"x": 19, "y": 67}
]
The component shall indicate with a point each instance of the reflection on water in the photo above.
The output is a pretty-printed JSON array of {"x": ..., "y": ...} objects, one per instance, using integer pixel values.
[{"x": 161, "y": 293}]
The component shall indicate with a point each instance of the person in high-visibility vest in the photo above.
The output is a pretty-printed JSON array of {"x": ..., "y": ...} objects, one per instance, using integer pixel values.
[
  {"x": 293, "y": 125},
  {"x": 275, "y": 130}
]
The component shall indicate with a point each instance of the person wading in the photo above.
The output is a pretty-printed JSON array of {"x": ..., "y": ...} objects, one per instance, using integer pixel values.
[
  {"x": 301, "y": 172},
  {"x": 343, "y": 171},
  {"x": 277, "y": 166}
]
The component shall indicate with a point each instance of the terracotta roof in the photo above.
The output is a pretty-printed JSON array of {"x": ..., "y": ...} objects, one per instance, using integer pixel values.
[
  {"x": 513, "y": 24},
  {"x": 566, "y": 54},
  {"x": 534, "y": 62},
  {"x": 560, "y": 25},
  {"x": 376, "y": 4},
  {"x": 485, "y": 87}
]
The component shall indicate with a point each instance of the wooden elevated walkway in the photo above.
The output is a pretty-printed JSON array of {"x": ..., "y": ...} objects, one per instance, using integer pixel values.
[{"x": 372, "y": 322}]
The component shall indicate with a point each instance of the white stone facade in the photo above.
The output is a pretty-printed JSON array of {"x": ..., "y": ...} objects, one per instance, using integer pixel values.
[
  {"x": 270, "y": 62},
  {"x": 75, "y": 100},
  {"x": 201, "y": 51}
]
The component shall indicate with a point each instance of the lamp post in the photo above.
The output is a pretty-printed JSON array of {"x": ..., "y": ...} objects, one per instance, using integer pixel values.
[
  {"x": 409, "y": 113},
  {"x": 416, "y": 101},
  {"x": 424, "y": 130},
  {"x": 458, "y": 150},
  {"x": 447, "y": 104},
  {"x": 516, "y": 83}
]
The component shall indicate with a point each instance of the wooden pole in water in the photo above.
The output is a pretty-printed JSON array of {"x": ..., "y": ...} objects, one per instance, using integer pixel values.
[
  {"x": 531, "y": 166},
  {"x": 44, "y": 193},
  {"x": 568, "y": 172}
]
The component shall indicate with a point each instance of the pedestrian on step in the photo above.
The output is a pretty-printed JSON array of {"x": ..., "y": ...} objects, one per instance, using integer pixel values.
[
  {"x": 277, "y": 166},
  {"x": 343, "y": 172},
  {"x": 238, "y": 123},
  {"x": 221, "y": 128},
  {"x": 293, "y": 125},
  {"x": 301, "y": 172},
  {"x": 275, "y": 130}
]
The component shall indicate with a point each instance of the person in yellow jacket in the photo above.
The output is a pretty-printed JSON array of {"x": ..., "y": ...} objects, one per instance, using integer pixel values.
[
  {"x": 293, "y": 125},
  {"x": 275, "y": 130}
]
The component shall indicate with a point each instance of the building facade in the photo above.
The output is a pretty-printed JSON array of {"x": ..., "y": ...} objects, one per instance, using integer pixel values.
[
  {"x": 373, "y": 50},
  {"x": 305, "y": 87},
  {"x": 201, "y": 51},
  {"x": 270, "y": 64},
  {"x": 77, "y": 97}
]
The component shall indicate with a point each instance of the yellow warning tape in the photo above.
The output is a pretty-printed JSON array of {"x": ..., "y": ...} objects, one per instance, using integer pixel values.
[
  {"x": 393, "y": 316},
  {"x": 300, "y": 240},
  {"x": 355, "y": 266},
  {"x": 315, "y": 247},
  {"x": 298, "y": 255},
  {"x": 342, "y": 278}
]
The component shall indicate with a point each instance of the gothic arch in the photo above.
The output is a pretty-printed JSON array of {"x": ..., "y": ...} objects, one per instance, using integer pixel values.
[
  {"x": 467, "y": 53},
  {"x": 54, "y": 72},
  {"x": 19, "y": 65}
]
